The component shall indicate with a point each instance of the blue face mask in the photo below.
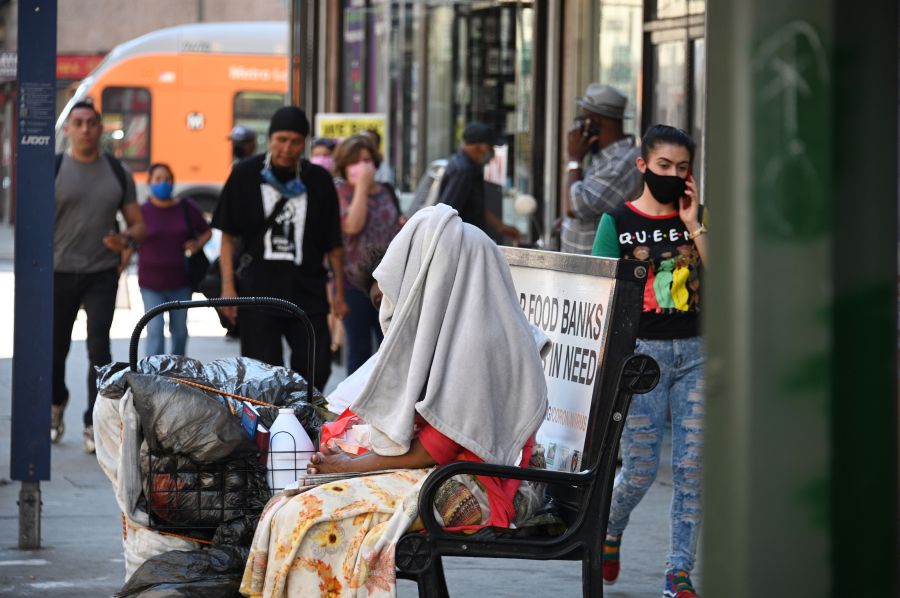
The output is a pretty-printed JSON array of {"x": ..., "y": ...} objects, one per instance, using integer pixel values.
[
  {"x": 161, "y": 190},
  {"x": 292, "y": 188}
]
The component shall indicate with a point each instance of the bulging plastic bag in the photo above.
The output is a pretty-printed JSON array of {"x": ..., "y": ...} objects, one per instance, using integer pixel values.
[
  {"x": 240, "y": 376},
  {"x": 208, "y": 573},
  {"x": 185, "y": 420}
]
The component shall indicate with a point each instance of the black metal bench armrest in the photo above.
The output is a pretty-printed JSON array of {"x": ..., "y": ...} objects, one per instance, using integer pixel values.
[{"x": 444, "y": 473}]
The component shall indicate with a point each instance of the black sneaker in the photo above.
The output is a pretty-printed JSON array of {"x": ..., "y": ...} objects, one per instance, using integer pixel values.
[
  {"x": 89, "y": 446},
  {"x": 57, "y": 422}
]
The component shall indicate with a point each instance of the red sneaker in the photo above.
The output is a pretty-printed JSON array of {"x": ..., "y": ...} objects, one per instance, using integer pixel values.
[
  {"x": 678, "y": 585},
  {"x": 611, "y": 559}
]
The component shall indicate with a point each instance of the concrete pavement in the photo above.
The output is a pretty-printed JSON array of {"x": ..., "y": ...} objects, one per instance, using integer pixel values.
[{"x": 81, "y": 524}]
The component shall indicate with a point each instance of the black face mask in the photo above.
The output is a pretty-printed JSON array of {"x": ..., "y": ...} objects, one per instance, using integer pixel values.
[{"x": 665, "y": 189}]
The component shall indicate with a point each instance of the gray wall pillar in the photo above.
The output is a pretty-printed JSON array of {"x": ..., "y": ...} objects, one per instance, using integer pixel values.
[{"x": 801, "y": 453}]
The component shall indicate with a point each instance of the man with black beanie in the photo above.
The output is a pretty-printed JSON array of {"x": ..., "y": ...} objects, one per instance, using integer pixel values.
[{"x": 280, "y": 219}]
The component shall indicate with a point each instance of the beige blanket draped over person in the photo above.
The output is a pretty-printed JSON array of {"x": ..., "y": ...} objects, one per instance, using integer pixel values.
[{"x": 458, "y": 377}]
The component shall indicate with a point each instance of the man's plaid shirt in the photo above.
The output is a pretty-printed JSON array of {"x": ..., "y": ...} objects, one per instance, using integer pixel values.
[{"x": 610, "y": 180}]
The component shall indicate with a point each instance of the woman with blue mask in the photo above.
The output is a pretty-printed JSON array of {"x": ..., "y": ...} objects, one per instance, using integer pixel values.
[{"x": 176, "y": 229}]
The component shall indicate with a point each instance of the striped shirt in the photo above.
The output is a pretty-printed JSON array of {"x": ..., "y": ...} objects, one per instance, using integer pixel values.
[{"x": 610, "y": 180}]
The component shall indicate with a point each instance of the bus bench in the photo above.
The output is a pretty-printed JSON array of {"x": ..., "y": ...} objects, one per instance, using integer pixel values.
[{"x": 589, "y": 307}]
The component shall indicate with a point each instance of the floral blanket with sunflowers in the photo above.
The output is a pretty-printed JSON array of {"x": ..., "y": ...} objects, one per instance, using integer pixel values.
[{"x": 335, "y": 540}]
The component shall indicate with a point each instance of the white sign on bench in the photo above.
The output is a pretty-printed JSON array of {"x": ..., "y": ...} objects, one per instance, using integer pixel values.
[{"x": 563, "y": 295}]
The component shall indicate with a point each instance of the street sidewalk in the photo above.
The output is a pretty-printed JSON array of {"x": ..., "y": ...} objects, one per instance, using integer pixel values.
[
  {"x": 6, "y": 242},
  {"x": 82, "y": 526}
]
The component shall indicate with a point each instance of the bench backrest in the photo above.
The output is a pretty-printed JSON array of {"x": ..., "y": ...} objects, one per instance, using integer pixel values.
[{"x": 589, "y": 307}]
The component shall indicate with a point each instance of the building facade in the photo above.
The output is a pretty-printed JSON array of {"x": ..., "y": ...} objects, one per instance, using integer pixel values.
[{"x": 431, "y": 66}]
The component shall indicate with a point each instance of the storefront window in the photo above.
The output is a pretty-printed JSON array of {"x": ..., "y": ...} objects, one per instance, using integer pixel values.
[
  {"x": 524, "y": 96},
  {"x": 440, "y": 119},
  {"x": 664, "y": 9},
  {"x": 699, "y": 91},
  {"x": 619, "y": 46},
  {"x": 356, "y": 18},
  {"x": 126, "y": 125},
  {"x": 452, "y": 63},
  {"x": 676, "y": 70},
  {"x": 669, "y": 85}
]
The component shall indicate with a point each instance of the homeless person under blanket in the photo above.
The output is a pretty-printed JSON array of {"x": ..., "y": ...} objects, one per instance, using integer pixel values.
[
  {"x": 446, "y": 290},
  {"x": 480, "y": 379}
]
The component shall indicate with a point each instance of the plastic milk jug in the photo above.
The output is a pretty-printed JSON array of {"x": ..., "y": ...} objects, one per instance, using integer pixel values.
[{"x": 290, "y": 449}]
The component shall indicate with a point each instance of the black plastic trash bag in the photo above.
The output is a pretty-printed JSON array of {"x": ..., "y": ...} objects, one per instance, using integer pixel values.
[
  {"x": 209, "y": 573},
  {"x": 252, "y": 378},
  {"x": 185, "y": 420},
  {"x": 279, "y": 386},
  {"x": 195, "y": 499},
  {"x": 240, "y": 376},
  {"x": 237, "y": 532},
  {"x": 111, "y": 380}
]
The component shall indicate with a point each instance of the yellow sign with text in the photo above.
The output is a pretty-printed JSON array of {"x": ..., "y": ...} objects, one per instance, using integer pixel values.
[{"x": 340, "y": 126}]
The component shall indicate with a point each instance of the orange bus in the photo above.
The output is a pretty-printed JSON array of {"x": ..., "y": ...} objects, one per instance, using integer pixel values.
[{"x": 174, "y": 95}]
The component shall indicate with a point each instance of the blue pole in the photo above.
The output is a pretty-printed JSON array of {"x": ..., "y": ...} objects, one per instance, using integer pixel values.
[{"x": 33, "y": 322}]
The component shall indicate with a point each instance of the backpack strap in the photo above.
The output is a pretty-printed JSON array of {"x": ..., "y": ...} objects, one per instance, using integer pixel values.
[
  {"x": 114, "y": 163},
  {"x": 119, "y": 171}
]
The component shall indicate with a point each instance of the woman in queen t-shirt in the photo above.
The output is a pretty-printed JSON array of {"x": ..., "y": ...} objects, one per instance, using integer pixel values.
[
  {"x": 162, "y": 263},
  {"x": 663, "y": 226},
  {"x": 370, "y": 218}
]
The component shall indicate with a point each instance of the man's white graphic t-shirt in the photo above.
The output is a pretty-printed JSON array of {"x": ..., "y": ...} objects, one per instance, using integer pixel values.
[{"x": 284, "y": 240}]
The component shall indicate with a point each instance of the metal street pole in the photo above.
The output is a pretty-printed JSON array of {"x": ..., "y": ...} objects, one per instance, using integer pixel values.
[{"x": 32, "y": 335}]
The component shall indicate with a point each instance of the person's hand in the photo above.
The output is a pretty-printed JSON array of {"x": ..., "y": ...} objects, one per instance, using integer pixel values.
[
  {"x": 339, "y": 306},
  {"x": 402, "y": 220},
  {"x": 230, "y": 313},
  {"x": 116, "y": 242},
  {"x": 514, "y": 234},
  {"x": 330, "y": 460},
  {"x": 689, "y": 206},
  {"x": 578, "y": 143},
  {"x": 367, "y": 175}
]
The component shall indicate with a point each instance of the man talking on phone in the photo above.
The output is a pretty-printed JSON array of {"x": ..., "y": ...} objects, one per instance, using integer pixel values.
[{"x": 611, "y": 176}]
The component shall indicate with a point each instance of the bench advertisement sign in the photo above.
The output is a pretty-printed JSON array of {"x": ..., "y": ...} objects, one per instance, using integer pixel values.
[{"x": 571, "y": 309}]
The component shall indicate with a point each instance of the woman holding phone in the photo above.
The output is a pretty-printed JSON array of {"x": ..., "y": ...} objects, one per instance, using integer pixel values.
[{"x": 663, "y": 226}]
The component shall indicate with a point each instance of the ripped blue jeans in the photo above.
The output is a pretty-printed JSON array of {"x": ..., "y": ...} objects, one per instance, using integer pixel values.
[{"x": 679, "y": 392}]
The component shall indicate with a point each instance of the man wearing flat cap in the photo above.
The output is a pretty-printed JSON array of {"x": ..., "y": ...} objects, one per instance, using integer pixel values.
[
  {"x": 279, "y": 218},
  {"x": 462, "y": 185},
  {"x": 612, "y": 176}
]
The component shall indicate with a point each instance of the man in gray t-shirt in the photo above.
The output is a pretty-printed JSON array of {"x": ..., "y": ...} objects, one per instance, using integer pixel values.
[{"x": 91, "y": 187}]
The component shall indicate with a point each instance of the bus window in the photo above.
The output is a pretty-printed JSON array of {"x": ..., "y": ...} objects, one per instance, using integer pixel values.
[
  {"x": 254, "y": 110},
  {"x": 126, "y": 125}
]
